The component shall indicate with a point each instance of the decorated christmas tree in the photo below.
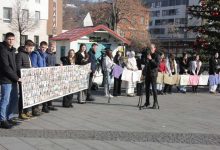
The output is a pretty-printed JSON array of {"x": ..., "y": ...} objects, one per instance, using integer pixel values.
[{"x": 208, "y": 32}]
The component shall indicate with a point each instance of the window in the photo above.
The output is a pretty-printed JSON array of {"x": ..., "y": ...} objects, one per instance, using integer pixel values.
[
  {"x": 170, "y": 12},
  {"x": 157, "y": 22},
  {"x": 23, "y": 39},
  {"x": 25, "y": 15},
  {"x": 152, "y": 5},
  {"x": 37, "y": 1},
  {"x": 37, "y": 16},
  {"x": 157, "y": 31},
  {"x": 180, "y": 20},
  {"x": 155, "y": 13},
  {"x": 7, "y": 14},
  {"x": 36, "y": 41}
]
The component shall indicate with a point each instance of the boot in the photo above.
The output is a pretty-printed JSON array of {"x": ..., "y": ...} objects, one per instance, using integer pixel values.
[{"x": 5, "y": 125}]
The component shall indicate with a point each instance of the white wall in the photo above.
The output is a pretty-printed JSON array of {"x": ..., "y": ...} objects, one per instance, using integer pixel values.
[{"x": 39, "y": 30}]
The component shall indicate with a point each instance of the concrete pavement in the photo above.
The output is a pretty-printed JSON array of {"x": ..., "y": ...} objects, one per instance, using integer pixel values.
[{"x": 184, "y": 121}]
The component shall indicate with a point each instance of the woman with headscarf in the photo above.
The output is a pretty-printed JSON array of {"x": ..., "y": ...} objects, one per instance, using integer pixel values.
[{"x": 131, "y": 65}]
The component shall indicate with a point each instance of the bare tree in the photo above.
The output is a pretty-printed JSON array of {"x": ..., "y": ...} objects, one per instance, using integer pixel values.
[{"x": 22, "y": 21}]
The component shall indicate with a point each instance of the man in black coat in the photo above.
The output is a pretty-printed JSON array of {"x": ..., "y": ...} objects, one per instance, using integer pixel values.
[
  {"x": 51, "y": 61},
  {"x": 93, "y": 61},
  {"x": 23, "y": 61},
  {"x": 150, "y": 71},
  {"x": 8, "y": 82}
]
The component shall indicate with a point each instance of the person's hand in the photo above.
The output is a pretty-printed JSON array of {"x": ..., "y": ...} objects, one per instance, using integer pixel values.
[{"x": 149, "y": 57}]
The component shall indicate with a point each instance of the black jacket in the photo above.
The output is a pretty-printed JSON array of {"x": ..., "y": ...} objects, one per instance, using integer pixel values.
[
  {"x": 80, "y": 60},
  {"x": 151, "y": 66},
  {"x": 8, "y": 70},
  {"x": 213, "y": 66},
  {"x": 65, "y": 61},
  {"x": 183, "y": 66},
  {"x": 22, "y": 60}
]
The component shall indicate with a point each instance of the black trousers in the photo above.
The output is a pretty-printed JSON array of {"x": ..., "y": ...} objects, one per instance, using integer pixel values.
[
  {"x": 117, "y": 86},
  {"x": 90, "y": 86},
  {"x": 67, "y": 100},
  {"x": 151, "y": 80},
  {"x": 167, "y": 88}
]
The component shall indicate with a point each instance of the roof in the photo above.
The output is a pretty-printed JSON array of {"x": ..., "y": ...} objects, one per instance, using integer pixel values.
[{"x": 75, "y": 34}]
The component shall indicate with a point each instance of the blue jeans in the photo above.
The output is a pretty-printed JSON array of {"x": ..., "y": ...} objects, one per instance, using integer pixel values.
[{"x": 8, "y": 101}]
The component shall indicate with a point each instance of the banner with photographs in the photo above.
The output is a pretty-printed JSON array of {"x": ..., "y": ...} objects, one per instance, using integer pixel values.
[{"x": 40, "y": 85}]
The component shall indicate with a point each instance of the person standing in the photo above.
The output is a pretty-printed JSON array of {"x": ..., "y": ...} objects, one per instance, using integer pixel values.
[
  {"x": 162, "y": 69},
  {"x": 69, "y": 60},
  {"x": 8, "y": 82},
  {"x": 150, "y": 72},
  {"x": 93, "y": 61},
  {"x": 51, "y": 61},
  {"x": 117, "y": 81},
  {"x": 38, "y": 60},
  {"x": 171, "y": 67},
  {"x": 132, "y": 66},
  {"x": 82, "y": 58},
  {"x": 108, "y": 65},
  {"x": 184, "y": 66},
  {"x": 23, "y": 61},
  {"x": 213, "y": 70},
  {"x": 195, "y": 66}
]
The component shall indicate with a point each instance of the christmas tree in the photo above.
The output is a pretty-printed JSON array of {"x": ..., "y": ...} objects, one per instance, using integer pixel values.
[{"x": 208, "y": 33}]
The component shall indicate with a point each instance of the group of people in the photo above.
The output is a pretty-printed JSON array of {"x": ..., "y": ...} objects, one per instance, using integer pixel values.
[
  {"x": 149, "y": 62},
  {"x": 11, "y": 63}
]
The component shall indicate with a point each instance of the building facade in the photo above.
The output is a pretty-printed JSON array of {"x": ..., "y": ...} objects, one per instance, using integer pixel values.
[
  {"x": 55, "y": 18},
  {"x": 169, "y": 21},
  {"x": 34, "y": 14}
]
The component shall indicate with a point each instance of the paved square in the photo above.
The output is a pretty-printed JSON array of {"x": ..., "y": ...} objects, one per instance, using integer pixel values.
[{"x": 184, "y": 121}]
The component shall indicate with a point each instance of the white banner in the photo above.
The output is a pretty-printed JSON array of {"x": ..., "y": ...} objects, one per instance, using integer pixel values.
[{"x": 40, "y": 85}]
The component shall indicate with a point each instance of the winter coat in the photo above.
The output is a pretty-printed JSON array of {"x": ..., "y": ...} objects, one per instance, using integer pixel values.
[
  {"x": 22, "y": 60},
  {"x": 38, "y": 59},
  {"x": 92, "y": 60},
  {"x": 213, "y": 66},
  {"x": 50, "y": 59},
  {"x": 8, "y": 69}
]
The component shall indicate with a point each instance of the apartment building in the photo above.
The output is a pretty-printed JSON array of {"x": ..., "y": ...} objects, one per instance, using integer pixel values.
[
  {"x": 169, "y": 20},
  {"x": 34, "y": 14}
]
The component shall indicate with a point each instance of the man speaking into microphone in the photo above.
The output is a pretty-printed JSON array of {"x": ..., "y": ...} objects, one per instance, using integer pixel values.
[{"x": 151, "y": 60}]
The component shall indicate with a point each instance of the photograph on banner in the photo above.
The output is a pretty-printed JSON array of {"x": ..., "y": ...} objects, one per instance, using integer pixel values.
[{"x": 40, "y": 85}]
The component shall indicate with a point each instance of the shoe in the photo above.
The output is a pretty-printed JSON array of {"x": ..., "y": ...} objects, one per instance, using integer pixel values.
[
  {"x": 90, "y": 99},
  {"x": 155, "y": 106},
  {"x": 24, "y": 116},
  {"x": 29, "y": 114},
  {"x": 109, "y": 96},
  {"x": 130, "y": 95},
  {"x": 70, "y": 106},
  {"x": 181, "y": 91},
  {"x": 13, "y": 122},
  {"x": 211, "y": 92},
  {"x": 5, "y": 125},
  {"x": 36, "y": 113},
  {"x": 145, "y": 105},
  {"x": 45, "y": 109},
  {"x": 52, "y": 108}
]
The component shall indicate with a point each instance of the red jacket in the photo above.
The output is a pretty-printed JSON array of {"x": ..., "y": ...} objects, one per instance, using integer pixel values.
[{"x": 162, "y": 66}]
